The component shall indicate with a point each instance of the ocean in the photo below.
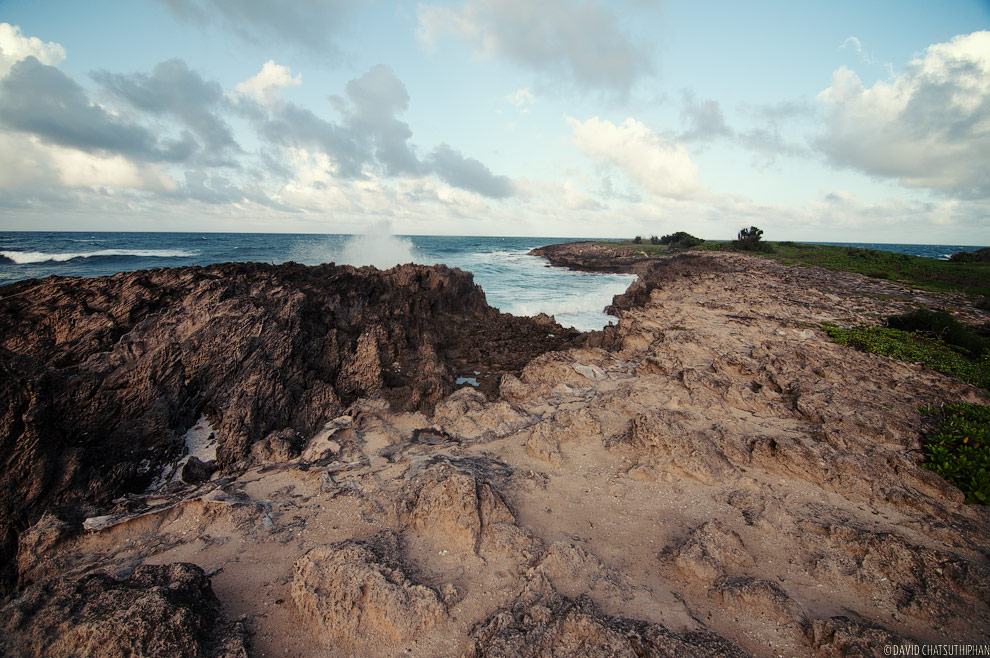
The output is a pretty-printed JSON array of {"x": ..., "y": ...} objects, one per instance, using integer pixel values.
[{"x": 513, "y": 281}]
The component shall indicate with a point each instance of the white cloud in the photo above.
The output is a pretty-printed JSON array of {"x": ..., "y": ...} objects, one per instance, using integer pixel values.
[
  {"x": 854, "y": 43},
  {"x": 578, "y": 39},
  {"x": 266, "y": 87},
  {"x": 15, "y": 47},
  {"x": 30, "y": 163},
  {"x": 309, "y": 23},
  {"x": 658, "y": 164},
  {"x": 521, "y": 98},
  {"x": 929, "y": 127}
]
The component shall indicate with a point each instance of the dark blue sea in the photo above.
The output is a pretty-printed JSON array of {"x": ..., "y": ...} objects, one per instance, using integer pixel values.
[{"x": 513, "y": 281}]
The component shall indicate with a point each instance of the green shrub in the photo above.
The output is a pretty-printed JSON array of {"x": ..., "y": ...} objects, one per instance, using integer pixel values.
[
  {"x": 638, "y": 239},
  {"x": 654, "y": 240},
  {"x": 960, "y": 450},
  {"x": 930, "y": 351},
  {"x": 941, "y": 324},
  {"x": 978, "y": 256},
  {"x": 749, "y": 239},
  {"x": 680, "y": 240}
]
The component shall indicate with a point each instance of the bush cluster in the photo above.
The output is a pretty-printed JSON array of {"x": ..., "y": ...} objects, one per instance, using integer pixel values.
[
  {"x": 680, "y": 240},
  {"x": 960, "y": 450},
  {"x": 941, "y": 324},
  {"x": 916, "y": 347},
  {"x": 978, "y": 256},
  {"x": 750, "y": 239}
]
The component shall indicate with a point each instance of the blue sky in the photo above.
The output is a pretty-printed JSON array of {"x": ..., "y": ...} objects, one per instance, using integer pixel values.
[{"x": 844, "y": 121}]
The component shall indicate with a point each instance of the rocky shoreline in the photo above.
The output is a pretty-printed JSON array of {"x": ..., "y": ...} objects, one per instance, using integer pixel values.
[{"x": 710, "y": 477}]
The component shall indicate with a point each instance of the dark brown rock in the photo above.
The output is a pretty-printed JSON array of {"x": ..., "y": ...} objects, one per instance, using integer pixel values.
[
  {"x": 159, "y": 610},
  {"x": 195, "y": 470},
  {"x": 98, "y": 376}
]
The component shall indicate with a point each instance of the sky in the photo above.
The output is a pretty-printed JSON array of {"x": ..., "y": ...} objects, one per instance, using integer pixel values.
[{"x": 837, "y": 121}]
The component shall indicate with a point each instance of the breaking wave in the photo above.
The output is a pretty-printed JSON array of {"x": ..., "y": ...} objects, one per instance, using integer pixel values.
[{"x": 25, "y": 257}]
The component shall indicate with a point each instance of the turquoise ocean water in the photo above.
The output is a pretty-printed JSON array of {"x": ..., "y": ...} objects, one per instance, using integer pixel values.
[{"x": 513, "y": 281}]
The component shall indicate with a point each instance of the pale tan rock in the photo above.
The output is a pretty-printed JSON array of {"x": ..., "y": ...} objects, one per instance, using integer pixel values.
[
  {"x": 357, "y": 593},
  {"x": 467, "y": 513}
]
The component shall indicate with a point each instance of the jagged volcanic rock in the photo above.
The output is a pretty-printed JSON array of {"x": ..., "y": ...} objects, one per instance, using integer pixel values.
[
  {"x": 98, "y": 376},
  {"x": 159, "y": 610}
]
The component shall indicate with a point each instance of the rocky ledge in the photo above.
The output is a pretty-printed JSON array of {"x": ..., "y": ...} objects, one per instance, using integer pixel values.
[
  {"x": 99, "y": 376},
  {"x": 710, "y": 477}
]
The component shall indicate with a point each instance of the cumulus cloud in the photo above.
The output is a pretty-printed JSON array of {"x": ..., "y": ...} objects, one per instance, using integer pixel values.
[
  {"x": 468, "y": 173},
  {"x": 165, "y": 135},
  {"x": 578, "y": 39},
  {"x": 266, "y": 87},
  {"x": 32, "y": 165},
  {"x": 370, "y": 113},
  {"x": 658, "y": 164},
  {"x": 15, "y": 47},
  {"x": 929, "y": 127},
  {"x": 370, "y": 140},
  {"x": 704, "y": 119},
  {"x": 310, "y": 23},
  {"x": 173, "y": 90},
  {"x": 41, "y": 100}
]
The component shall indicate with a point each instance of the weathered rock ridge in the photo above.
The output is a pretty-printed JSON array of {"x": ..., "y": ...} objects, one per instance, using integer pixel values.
[
  {"x": 98, "y": 376},
  {"x": 710, "y": 477}
]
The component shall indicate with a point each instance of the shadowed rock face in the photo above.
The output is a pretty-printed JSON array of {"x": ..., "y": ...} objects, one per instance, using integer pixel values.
[
  {"x": 98, "y": 376},
  {"x": 166, "y": 610}
]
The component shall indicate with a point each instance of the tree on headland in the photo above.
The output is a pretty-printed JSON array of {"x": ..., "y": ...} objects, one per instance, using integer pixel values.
[
  {"x": 680, "y": 240},
  {"x": 749, "y": 240},
  {"x": 638, "y": 239}
]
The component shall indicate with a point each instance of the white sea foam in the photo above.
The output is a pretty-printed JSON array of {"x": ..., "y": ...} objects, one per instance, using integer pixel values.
[
  {"x": 377, "y": 246},
  {"x": 25, "y": 257},
  {"x": 575, "y": 299}
]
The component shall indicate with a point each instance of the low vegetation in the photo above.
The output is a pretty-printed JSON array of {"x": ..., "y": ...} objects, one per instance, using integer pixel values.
[
  {"x": 751, "y": 239},
  {"x": 916, "y": 347},
  {"x": 917, "y": 271},
  {"x": 959, "y": 451},
  {"x": 978, "y": 256},
  {"x": 680, "y": 240}
]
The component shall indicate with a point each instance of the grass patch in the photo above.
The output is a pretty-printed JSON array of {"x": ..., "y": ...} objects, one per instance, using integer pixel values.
[
  {"x": 927, "y": 273},
  {"x": 637, "y": 249},
  {"x": 960, "y": 450},
  {"x": 916, "y": 347}
]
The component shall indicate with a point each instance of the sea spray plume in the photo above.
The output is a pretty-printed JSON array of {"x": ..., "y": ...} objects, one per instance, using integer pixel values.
[{"x": 377, "y": 246}]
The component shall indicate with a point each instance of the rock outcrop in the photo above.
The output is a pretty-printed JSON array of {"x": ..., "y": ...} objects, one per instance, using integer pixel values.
[
  {"x": 710, "y": 477},
  {"x": 98, "y": 376},
  {"x": 167, "y": 610},
  {"x": 357, "y": 594}
]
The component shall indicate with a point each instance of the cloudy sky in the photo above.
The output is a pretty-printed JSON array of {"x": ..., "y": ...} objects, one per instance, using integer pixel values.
[{"x": 836, "y": 121}]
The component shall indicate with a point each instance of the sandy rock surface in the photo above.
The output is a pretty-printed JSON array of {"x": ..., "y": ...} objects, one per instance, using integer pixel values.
[{"x": 711, "y": 477}]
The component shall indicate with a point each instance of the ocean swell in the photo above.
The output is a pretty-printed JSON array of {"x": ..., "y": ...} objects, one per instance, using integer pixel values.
[{"x": 27, "y": 257}]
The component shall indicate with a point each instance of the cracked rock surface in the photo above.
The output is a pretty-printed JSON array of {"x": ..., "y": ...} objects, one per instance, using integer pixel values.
[{"x": 710, "y": 477}]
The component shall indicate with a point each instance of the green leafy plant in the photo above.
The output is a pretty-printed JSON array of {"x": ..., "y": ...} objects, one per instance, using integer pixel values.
[
  {"x": 928, "y": 273},
  {"x": 916, "y": 347},
  {"x": 749, "y": 239},
  {"x": 680, "y": 240},
  {"x": 960, "y": 450},
  {"x": 941, "y": 324}
]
